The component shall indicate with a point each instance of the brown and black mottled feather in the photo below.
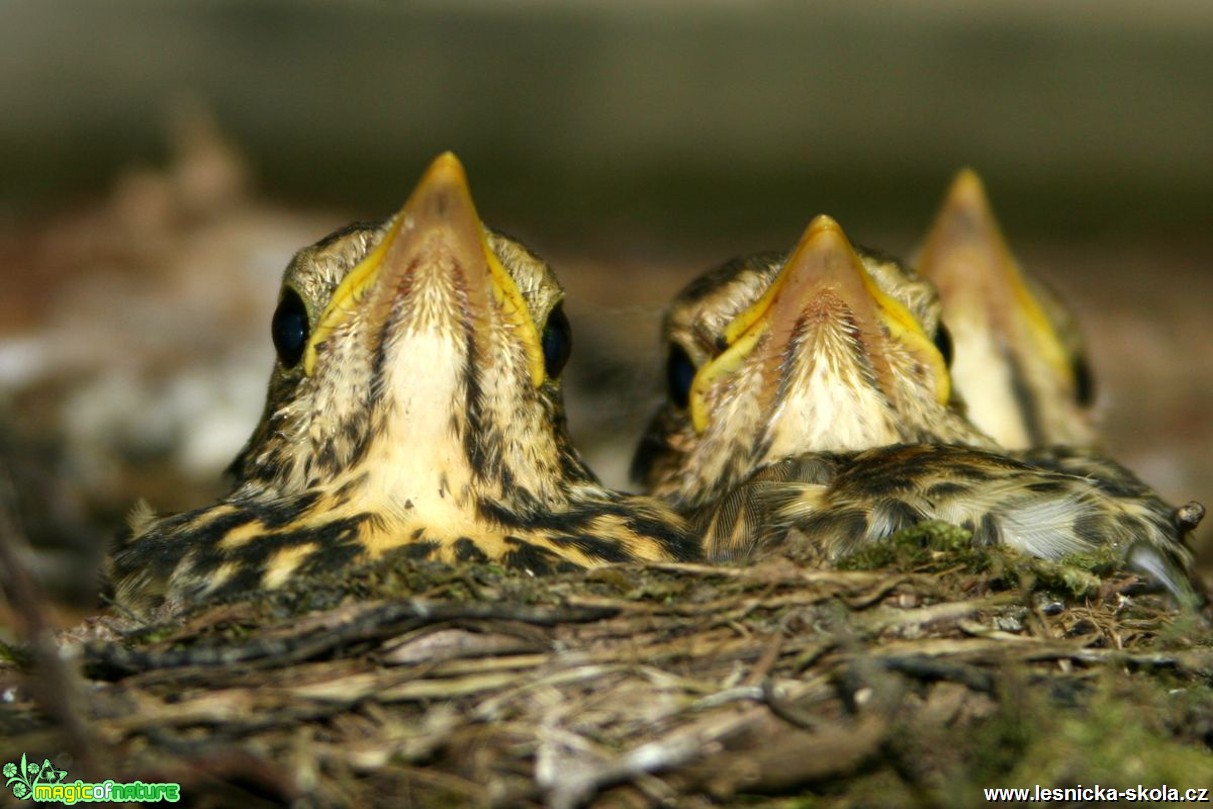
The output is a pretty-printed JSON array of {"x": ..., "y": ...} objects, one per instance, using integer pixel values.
[
  {"x": 897, "y": 451},
  {"x": 415, "y": 407},
  {"x": 826, "y": 348},
  {"x": 842, "y": 502}
]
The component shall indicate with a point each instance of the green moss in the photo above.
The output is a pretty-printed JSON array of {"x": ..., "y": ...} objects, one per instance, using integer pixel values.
[
  {"x": 1115, "y": 731},
  {"x": 13, "y": 654},
  {"x": 1185, "y": 630},
  {"x": 1072, "y": 579},
  {"x": 914, "y": 548},
  {"x": 936, "y": 547},
  {"x": 1122, "y": 737}
]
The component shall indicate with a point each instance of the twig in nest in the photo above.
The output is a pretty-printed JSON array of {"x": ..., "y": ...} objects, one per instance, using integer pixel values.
[
  {"x": 928, "y": 669},
  {"x": 367, "y": 625},
  {"x": 785, "y": 710},
  {"x": 55, "y": 688}
]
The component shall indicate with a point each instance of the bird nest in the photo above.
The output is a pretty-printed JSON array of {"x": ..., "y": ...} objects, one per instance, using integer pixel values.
[{"x": 916, "y": 678}]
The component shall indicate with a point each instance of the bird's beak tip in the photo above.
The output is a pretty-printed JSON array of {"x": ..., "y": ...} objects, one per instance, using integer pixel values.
[
  {"x": 823, "y": 228},
  {"x": 442, "y": 190},
  {"x": 968, "y": 194},
  {"x": 822, "y": 250}
]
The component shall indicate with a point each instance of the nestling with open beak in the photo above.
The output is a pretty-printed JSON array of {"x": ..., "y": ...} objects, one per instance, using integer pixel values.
[{"x": 415, "y": 405}]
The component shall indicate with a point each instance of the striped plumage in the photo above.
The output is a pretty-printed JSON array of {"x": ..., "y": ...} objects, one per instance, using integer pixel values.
[
  {"x": 827, "y": 410},
  {"x": 827, "y": 348},
  {"x": 842, "y": 502},
  {"x": 415, "y": 405}
]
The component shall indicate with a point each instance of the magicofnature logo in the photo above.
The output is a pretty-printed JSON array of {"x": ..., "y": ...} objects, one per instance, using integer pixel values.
[
  {"x": 47, "y": 783},
  {"x": 23, "y": 777}
]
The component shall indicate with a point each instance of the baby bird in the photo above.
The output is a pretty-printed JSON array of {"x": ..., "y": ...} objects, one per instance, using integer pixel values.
[
  {"x": 1020, "y": 361},
  {"x": 415, "y": 404},
  {"x": 818, "y": 401},
  {"x": 829, "y": 348}
]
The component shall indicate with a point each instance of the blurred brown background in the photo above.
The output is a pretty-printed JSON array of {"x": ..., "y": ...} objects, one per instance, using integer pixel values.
[{"x": 162, "y": 161}]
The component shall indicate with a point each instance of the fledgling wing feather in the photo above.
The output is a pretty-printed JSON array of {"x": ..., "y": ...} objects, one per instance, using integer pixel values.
[{"x": 848, "y": 501}]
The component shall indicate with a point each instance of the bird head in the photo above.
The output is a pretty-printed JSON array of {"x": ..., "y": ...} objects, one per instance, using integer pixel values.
[
  {"x": 830, "y": 349},
  {"x": 1020, "y": 360},
  {"x": 418, "y": 360}
]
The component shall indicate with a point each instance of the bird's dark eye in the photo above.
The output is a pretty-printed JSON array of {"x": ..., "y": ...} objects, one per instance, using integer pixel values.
[
  {"x": 290, "y": 328},
  {"x": 557, "y": 342},
  {"x": 943, "y": 342},
  {"x": 679, "y": 374},
  {"x": 1084, "y": 382}
]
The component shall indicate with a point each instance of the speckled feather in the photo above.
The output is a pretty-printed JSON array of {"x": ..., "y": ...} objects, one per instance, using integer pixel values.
[
  {"x": 423, "y": 413},
  {"x": 820, "y": 393},
  {"x": 844, "y": 501},
  {"x": 1049, "y": 502}
]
